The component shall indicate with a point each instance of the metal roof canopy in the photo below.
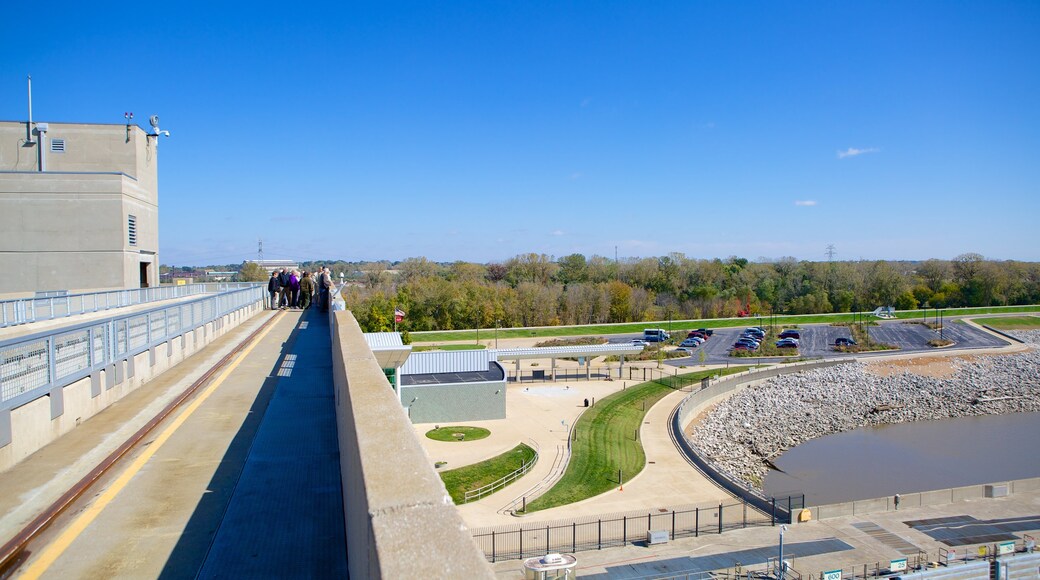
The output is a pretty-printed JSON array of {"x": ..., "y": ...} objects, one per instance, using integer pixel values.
[
  {"x": 589, "y": 350},
  {"x": 390, "y": 352}
]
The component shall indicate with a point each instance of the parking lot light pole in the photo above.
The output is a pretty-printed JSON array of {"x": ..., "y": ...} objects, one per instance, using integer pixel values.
[
  {"x": 496, "y": 333},
  {"x": 780, "y": 564}
]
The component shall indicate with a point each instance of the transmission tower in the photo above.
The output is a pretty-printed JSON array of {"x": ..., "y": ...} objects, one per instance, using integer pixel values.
[
  {"x": 830, "y": 252},
  {"x": 260, "y": 252}
]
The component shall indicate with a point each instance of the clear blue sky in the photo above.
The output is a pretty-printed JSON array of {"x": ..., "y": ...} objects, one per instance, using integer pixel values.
[{"x": 480, "y": 130}]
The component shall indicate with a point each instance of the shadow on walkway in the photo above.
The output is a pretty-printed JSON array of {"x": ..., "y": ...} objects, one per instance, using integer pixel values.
[{"x": 274, "y": 507}]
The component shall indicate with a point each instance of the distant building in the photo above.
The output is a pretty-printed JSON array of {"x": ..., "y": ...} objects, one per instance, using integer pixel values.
[
  {"x": 272, "y": 265},
  {"x": 79, "y": 207}
]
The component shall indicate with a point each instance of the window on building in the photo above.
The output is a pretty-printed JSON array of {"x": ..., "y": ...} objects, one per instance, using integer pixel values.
[
  {"x": 131, "y": 226},
  {"x": 57, "y": 145}
]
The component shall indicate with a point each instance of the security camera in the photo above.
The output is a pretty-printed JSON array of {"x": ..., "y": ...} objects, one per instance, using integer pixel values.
[{"x": 167, "y": 133}]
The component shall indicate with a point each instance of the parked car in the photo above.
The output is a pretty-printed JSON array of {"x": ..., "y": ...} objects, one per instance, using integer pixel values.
[
  {"x": 639, "y": 342},
  {"x": 742, "y": 347},
  {"x": 844, "y": 342},
  {"x": 705, "y": 331},
  {"x": 790, "y": 333},
  {"x": 787, "y": 343},
  {"x": 697, "y": 334},
  {"x": 753, "y": 337},
  {"x": 748, "y": 343},
  {"x": 758, "y": 329},
  {"x": 692, "y": 342},
  {"x": 684, "y": 350},
  {"x": 755, "y": 332}
]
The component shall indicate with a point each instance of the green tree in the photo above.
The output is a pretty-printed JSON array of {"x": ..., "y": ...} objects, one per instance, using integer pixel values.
[{"x": 252, "y": 272}]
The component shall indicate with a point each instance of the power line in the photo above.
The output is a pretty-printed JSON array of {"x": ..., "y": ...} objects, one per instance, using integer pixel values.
[{"x": 830, "y": 252}]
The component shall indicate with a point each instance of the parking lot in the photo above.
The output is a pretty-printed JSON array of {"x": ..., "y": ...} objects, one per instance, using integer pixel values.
[{"x": 817, "y": 341}]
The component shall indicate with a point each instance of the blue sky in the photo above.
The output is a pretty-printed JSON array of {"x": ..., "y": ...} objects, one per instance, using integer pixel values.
[{"x": 479, "y": 130}]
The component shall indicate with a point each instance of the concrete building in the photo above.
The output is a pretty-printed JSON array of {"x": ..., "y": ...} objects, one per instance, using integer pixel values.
[{"x": 79, "y": 207}]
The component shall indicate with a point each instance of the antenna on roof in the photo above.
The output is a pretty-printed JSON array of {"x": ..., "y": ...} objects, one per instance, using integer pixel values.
[{"x": 28, "y": 127}]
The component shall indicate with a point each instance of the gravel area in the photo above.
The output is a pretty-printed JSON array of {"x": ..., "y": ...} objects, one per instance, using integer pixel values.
[{"x": 758, "y": 424}]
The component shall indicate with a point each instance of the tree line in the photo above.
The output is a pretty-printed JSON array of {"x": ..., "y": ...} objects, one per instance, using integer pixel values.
[{"x": 539, "y": 290}]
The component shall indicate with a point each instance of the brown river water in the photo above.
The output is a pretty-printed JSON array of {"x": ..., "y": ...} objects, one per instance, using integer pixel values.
[{"x": 909, "y": 457}]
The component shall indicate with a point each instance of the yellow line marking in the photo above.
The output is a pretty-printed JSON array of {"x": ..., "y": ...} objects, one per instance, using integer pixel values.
[{"x": 55, "y": 549}]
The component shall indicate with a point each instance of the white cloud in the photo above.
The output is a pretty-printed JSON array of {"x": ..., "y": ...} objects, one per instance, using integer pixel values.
[
  {"x": 853, "y": 152},
  {"x": 805, "y": 202},
  {"x": 557, "y": 232},
  {"x": 577, "y": 175}
]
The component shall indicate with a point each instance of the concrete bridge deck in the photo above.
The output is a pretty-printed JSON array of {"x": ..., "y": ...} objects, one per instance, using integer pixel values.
[{"x": 244, "y": 480}]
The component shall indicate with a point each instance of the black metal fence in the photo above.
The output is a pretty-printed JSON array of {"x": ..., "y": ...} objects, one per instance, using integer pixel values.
[
  {"x": 595, "y": 533},
  {"x": 667, "y": 376}
]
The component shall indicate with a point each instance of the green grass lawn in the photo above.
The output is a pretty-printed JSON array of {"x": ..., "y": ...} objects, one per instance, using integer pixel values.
[
  {"x": 449, "y": 347},
  {"x": 676, "y": 326},
  {"x": 473, "y": 477},
  {"x": 1011, "y": 322},
  {"x": 452, "y": 433},
  {"x": 606, "y": 441}
]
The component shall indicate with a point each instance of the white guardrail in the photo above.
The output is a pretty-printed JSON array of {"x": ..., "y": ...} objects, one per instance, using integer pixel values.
[
  {"x": 51, "y": 305},
  {"x": 30, "y": 366}
]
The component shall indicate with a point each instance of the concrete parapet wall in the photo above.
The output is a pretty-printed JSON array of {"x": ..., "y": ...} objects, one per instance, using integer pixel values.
[
  {"x": 400, "y": 521},
  {"x": 37, "y": 423}
]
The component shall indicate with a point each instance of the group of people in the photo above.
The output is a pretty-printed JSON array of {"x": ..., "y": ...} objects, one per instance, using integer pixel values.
[{"x": 291, "y": 290}]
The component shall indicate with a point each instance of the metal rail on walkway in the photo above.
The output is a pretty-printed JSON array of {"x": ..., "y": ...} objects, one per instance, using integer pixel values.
[
  {"x": 51, "y": 305},
  {"x": 31, "y": 366}
]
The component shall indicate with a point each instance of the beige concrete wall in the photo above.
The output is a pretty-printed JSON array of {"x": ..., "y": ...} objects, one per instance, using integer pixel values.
[
  {"x": 400, "y": 521},
  {"x": 67, "y": 228},
  {"x": 32, "y": 426}
]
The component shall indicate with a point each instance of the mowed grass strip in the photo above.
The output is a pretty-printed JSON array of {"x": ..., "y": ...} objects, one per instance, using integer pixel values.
[
  {"x": 449, "y": 347},
  {"x": 1011, "y": 322},
  {"x": 475, "y": 476},
  {"x": 681, "y": 325},
  {"x": 606, "y": 442}
]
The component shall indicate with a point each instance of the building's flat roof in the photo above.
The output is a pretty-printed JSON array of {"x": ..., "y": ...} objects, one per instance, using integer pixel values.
[{"x": 494, "y": 373}]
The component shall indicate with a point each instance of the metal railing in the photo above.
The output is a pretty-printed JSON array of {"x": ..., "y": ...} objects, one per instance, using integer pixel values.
[
  {"x": 480, "y": 492},
  {"x": 31, "y": 366},
  {"x": 51, "y": 305},
  {"x": 599, "y": 532}
]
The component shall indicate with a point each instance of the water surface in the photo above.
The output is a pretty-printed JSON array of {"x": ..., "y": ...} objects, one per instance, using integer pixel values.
[{"x": 910, "y": 457}]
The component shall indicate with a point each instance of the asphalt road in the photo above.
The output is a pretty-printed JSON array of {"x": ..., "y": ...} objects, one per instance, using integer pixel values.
[{"x": 817, "y": 341}]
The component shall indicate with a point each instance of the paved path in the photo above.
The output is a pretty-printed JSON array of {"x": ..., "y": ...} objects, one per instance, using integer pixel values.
[{"x": 535, "y": 413}]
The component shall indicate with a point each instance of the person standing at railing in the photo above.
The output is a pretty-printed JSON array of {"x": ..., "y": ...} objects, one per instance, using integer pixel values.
[
  {"x": 306, "y": 290},
  {"x": 294, "y": 289},
  {"x": 274, "y": 287},
  {"x": 283, "y": 280},
  {"x": 325, "y": 285}
]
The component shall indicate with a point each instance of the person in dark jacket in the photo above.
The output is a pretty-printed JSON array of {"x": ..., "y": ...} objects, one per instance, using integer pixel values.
[
  {"x": 274, "y": 287},
  {"x": 283, "y": 280}
]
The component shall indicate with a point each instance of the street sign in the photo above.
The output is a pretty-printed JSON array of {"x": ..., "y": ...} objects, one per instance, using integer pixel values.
[
  {"x": 897, "y": 565},
  {"x": 831, "y": 575},
  {"x": 1006, "y": 548}
]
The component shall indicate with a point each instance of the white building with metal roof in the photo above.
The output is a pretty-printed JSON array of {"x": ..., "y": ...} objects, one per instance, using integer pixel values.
[{"x": 467, "y": 385}]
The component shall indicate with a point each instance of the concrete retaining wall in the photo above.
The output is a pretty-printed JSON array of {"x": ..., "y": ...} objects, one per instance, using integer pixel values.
[
  {"x": 400, "y": 521},
  {"x": 925, "y": 498},
  {"x": 43, "y": 420}
]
